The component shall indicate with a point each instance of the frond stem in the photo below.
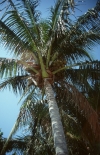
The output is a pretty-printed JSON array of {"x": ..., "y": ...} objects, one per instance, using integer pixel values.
[
  {"x": 44, "y": 72},
  {"x": 25, "y": 64},
  {"x": 49, "y": 54},
  {"x": 74, "y": 65}
]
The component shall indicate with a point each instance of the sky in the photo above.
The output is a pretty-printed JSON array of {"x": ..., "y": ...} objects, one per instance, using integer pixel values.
[{"x": 9, "y": 106}]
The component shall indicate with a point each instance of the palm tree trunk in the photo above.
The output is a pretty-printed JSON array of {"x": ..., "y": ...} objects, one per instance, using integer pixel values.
[{"x": 57, "y": 128}]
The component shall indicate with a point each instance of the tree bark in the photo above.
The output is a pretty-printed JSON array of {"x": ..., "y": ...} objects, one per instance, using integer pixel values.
[{"x": 57, "y": 128}]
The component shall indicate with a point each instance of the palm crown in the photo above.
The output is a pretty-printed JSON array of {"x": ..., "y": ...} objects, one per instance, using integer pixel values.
[{"x": 50, "y": 50}]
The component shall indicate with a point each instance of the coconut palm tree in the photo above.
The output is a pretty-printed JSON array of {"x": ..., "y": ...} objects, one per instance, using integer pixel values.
[{"x": 46, "y": 53}]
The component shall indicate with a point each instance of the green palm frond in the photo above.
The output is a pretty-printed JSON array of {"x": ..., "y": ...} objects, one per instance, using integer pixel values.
[
  {"x": 19, "y": 123},
  {"x": 80, "y": 65},
  {"x": 90, "y": 20},
  {"x": 86, "y": 75},
  {"x": 11, "y": 68},
  {"x": 11, "y": 40},
  {"x": 13, "y": 21},
  {"x": 17, "y": 145},
  {"x": 14, "y": 129},
  {"x": 17, "y": 84},
  {"x": 79, "y": 38},
  {"x": 71, "y": 50},
  {"x": 32, "y": 15},
  {"x": 28, "y": 94},
  {"x": 57, "y": 24},
  {"x": 16, "y": 23},
  {"x": 58, "y": 11},
  {"x": 87, "y": 39},
  {"x": 38, "y": 108},
  {"x": 32, "y": 114},
  {"x": 91, "y": 71}
]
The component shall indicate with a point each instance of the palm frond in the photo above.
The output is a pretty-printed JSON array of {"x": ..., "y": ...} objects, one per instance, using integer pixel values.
[
  {"x": 17, "y": 84},
  {"x": 79, "y": 37},
  {"x": 19, "y": 122},
  {"x": 87, "y": 28},
  {"x": 93, "y": 97},
  {"x": 70, "y": 123},
  {"x": 31, "y": 114},
  {"x": 85, "y": 76},
  {"x": 58, "y": 11},
  {"x": 88, "y": 111},
  {"x": 10, "y": 68},
  {"x": 15, "y": 20},
  {"x": 15, "y": 127},
  {"x": 17, "y": 145},
  {"x": 90, "y": 20},
  {"x": 72, "y": 95},
  {"x": 71, "y": 50},
  {"x": 11, "y": 41},
  {"x": 31, "y": 15}
]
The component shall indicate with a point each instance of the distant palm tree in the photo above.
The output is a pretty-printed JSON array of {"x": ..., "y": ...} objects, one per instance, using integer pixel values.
[{"x": 46, "y": 54}]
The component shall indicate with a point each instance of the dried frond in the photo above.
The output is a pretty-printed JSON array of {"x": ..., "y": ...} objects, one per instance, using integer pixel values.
[{"x": 85, "y": 108}]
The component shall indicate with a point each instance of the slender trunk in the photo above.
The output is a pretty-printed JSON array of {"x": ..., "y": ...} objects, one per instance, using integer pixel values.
[{"x": 57, "y": 128}]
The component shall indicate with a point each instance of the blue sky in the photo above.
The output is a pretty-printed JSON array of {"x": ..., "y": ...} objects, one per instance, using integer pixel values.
[{"x": 8, "y": 101}]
